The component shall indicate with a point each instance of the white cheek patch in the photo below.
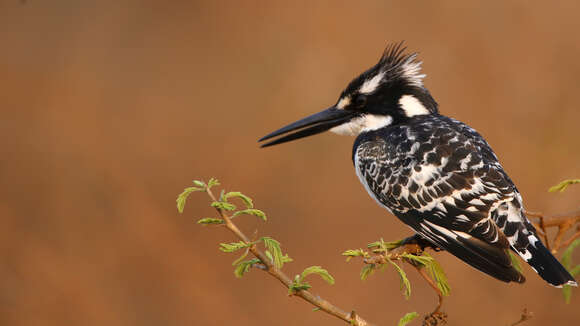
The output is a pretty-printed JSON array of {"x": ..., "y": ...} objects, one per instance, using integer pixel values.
[
  {"x": 374, "y": 122},
  {"x": 367, "y": 122},
  {"x": 412, "y": 106},
  {"x": 343, "y": 102},
  {"x": 370, "y": 85}
]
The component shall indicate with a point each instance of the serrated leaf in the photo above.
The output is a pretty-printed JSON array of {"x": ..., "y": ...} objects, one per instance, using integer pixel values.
[
  {"x": 274, "y": 247},
  {"x": 515, "y": 262},
  {"x": 244, "y": 255},
  {"x": 182, "y": 197},
  {"x": 251, "y": 211},
  {"x": 223, "y": 205},
  {"x": 247, "y": 200},
  {"x": 563, "y": 185},
  {"x": 234, "y": 246},
  {"x": 244, "y": 267},
  {"x": 212, "y": 182},
  {"x": 210, "y": 220},
  {"x": 323, "y": 273},
  {"x": 418, "y": 260},
  {"x": 286, "y": 259},
  {"x": 438, "y": 275},
  {"x": 366, "y": 271},
  {"x": 405, "y": 284},
  {"x": 354, "y": 253},
  {"x": 407, "y": 318},
  {"x": 383, "y": 246},
  {"x": 269, "y": 255}
]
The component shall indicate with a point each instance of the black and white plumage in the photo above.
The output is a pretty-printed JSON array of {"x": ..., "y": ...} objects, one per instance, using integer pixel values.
[{"x": 436, "y": 174}]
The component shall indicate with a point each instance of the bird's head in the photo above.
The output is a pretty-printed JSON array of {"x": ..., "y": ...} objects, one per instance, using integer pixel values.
[{"x": 390, "y": 92}]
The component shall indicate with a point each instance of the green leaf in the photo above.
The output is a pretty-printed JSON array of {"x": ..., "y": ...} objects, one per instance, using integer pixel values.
[
  {"x": 286, "y": 259},
  {"x": 297, "y": 287},
  {"x": 407, "y": 318},
  {"x": 199, "y": 183},
  {"x": 405, "y": 284},
  {"x": 223, "y": 205},
  {"x": 251, "y": 211},
  {"x": 212, "y": 182},
  {"x": 567, "y": 292},
  {"x": 366, "y": 271},
  {"x": 567, "y": 255},
  {"x": 319, "y": 271},
  {"x": 244, "y": 255},
  {"x": 274, "y": 247},
  {"x": 244, "y": 267},
  {"x": 234, "y": 246},
  {"x": 418, "y": 260},
  {"x": 269, "y": 255},
  {"x": 183, "y": 197},
  {"x": 515, "y": 262},
  {"x": 438, "y": 275},
  {"x": 567, "y": 263},
  {"x": 575, "y": 271},
  {"x": 354, "y": 253},
  {"x": 247, "y": 200},
  {"x": 382, "y": 246},
  {"x": 209, "y": 220},
  {"x": 563, "y": 185},
  {"x": 316, "y": 309}
]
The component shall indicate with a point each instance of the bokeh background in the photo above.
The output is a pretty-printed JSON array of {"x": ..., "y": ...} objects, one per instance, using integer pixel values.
[{"x": 110, "y": 108}]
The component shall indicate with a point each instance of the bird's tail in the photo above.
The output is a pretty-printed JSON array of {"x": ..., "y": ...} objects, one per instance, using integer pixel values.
[{"x": 545, "y": 264}]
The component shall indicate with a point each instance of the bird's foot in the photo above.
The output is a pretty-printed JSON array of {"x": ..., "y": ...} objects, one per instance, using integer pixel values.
[
  {"x": 437, "y": 318},
  {"x": 419, "y": 241}
]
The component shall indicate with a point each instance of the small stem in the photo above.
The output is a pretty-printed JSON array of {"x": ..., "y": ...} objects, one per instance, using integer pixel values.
[
  {"x": 268, "y": 267},
  {"x": 434, "y": 286},
  {"x": 525, "y": 316},
  {"x": 563, "y": 222}
]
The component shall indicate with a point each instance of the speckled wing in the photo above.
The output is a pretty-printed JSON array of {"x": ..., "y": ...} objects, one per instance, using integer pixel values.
[{"x": 441, "y": 178}]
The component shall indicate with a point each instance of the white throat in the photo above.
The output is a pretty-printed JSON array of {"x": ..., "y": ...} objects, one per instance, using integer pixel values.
[{"x": 366, "y": 122}]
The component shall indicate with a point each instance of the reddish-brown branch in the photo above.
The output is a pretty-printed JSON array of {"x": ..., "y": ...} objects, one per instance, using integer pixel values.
[
  {"x": 434, "y": 286},
  {"x": 349, "y": 317},
  {"x": 563, "y": 222}
]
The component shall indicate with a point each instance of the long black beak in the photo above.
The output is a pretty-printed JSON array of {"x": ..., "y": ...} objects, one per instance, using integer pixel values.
[{"x": 317, "y": 123}]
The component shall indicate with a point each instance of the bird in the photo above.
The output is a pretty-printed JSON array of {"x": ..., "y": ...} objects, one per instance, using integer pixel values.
[{"x": 434, "y": 173}]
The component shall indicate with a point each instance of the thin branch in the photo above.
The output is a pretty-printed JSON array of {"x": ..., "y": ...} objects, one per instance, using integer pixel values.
[
  {"x": 433, "y": 286},
  {"x": 526, "y": 315},
  {"x": 351, "y": 317},
  {"x": 563, "y": 222}
]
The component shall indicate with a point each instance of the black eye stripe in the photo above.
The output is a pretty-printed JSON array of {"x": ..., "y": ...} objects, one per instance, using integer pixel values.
[{"x": 360, "y": 101}]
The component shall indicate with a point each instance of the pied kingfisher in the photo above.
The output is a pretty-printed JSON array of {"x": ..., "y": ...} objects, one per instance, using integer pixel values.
[{"x": 436, "y": 174}]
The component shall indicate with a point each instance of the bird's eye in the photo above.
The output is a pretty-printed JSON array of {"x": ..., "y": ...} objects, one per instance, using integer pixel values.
[{"x": 360, "y": 101}]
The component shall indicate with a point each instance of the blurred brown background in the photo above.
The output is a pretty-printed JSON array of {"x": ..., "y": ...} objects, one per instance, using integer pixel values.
[{"x": 111, "y": 108}]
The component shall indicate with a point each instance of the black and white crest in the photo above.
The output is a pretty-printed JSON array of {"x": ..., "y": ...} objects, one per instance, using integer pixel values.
[
  {"x": 393, "y": 87},
  {"x": 394, "y": 68}
]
